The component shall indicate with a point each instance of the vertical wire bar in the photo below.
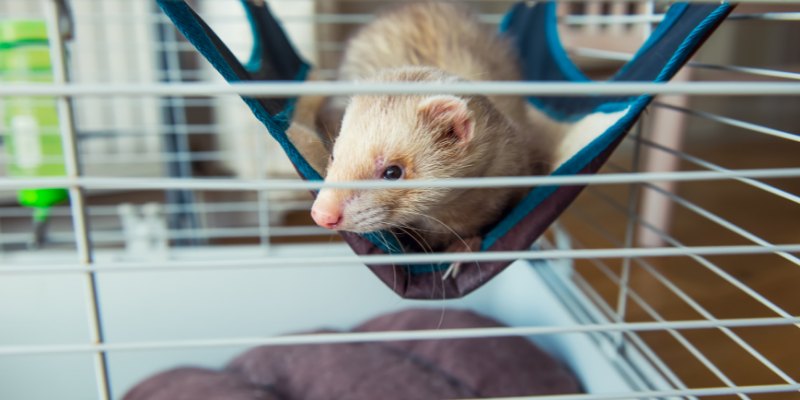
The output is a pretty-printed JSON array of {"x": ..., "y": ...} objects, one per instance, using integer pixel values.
[
  {"x": 649, "y": 10},
  {"x": 730, "y": 226},
  {"x": 708, "y": 215},
  {"x": 605, "y": 309},
  {"x": 175, "y": 115},
  {"x": 264, "y": 218},
  {"x": 263, "y": 195},
  {"x": 592, "y": 8},
  {"x": 676, "y": 334},
  {"x": 594, "y": 224},
  {"x": 2, "y": 239},
  {"x": 633, "y": 201},
  {"x": 750, "y": 126},
  {"x": 617, "y": 9},
  {"x": 116, "y": 68},
  {"x": 77, "y": 199},
  {"x": 701, "y": 260},
  {"x": 717, "y": 168}
]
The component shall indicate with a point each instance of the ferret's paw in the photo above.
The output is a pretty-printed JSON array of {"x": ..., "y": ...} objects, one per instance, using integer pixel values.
[{"x": 469, "y": 245}]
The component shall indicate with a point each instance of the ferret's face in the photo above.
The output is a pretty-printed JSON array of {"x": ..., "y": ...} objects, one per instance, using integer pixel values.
[{"x": 393, "y": 138}]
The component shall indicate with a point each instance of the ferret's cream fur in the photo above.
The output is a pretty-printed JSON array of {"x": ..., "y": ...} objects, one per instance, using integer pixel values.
[{"x": 431, "y": 42}]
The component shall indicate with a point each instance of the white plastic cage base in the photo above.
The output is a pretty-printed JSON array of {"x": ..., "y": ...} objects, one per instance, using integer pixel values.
[{"x": 180, "y": 306}]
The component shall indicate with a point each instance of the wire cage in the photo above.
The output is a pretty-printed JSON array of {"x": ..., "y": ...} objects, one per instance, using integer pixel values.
[{"x": 186, "y": 237}]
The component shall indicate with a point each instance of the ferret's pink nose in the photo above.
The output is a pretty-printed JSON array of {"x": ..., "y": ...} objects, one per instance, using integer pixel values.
[{"x": 325, "y": 215}]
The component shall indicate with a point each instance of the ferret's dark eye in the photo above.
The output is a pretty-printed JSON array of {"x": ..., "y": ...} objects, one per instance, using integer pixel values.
[{"x": 392, "y": 173}]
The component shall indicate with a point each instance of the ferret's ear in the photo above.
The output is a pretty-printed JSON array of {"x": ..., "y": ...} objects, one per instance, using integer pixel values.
[{"x": 448, "y": 115}]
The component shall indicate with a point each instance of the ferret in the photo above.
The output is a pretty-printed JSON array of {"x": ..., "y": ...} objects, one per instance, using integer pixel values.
[{"x": 401, "y": 137}]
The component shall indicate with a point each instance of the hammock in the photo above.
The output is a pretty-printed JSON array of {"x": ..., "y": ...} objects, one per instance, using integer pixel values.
[{"x": 533, "y": 31}]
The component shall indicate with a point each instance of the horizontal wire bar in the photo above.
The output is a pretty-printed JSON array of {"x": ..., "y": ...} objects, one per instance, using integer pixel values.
[
  {"x": 292, "y": 89},
  {"x": 101, "y": 236},
  {"x": 730, "y": 226},
  {"x": 795, "y": 137},
  {"x": 707, "y": 315},
  {"x": 714, "y": 167},
  {"x": 625, "y": 56},
  {"x": 748, "y": 70},
  {"x": 88, "y": 159},
  {"x": 601, "y": 53},
  {"x": 110, "y": 134},
  {"x": 411, "y": 258},
  {"x": 484, "y": 182},
  {"x": 490, "y": 18},
  {"x": 364, "y": 18},
  {"x": 145, "y": 131},
  {"x": 611, "y": 313},
  {"x": 424, "y": 334},
  {"x": 208, "y": 128},
  {"x": 663, "y": 394},
  {"x": 654, "y": 314},
  {"x": 206, "y": 208},
  {"x": 768, "y": 16},
  {"x": 677, "y": 291},
  {"x": 633, "y": 337},
  {"x": 691, "y": 206},
  {"x": 698, "y": 258},
  {"x": 683, "y": 295},
  {"x": 608, "y": 19}
]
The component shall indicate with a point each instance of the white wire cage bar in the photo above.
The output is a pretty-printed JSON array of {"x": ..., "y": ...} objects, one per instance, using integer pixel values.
[
  {"x": 362, "y": 337},
  {"x": 600, "y": 292},
  {"x": 293, "y": 89}
]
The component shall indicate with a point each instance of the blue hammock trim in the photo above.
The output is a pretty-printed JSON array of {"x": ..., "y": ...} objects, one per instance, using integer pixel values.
[
  {"x": 703, "y": 19},
  {"x": 275, "y": 114},
  {"x": 533, "y": 30}
]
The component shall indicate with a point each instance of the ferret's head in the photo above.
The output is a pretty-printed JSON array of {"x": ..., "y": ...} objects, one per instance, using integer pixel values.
[{"x": 395, "y": 138}]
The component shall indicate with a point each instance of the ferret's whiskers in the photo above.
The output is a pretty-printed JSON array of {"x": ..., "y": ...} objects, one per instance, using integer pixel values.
[
  {"x": 452, "y": 267},
  {"x": 412, "y": 211},
  {"x": 317, "y": 140},
  {"x": 419, "y": 239},
  {"x": 327, "y": 131},
  {"x": 384, "y": 241},
  {"x": 444, "y": 309},
  {"x": 441, "y": 223},
  {"x": 423, "y": 244},
  {"x": 394, "y": 267},
  {"x": 427, "y": 245}
]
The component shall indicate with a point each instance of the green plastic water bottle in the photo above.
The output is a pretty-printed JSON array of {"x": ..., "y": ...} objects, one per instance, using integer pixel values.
[{"x": 32, "y": 140}]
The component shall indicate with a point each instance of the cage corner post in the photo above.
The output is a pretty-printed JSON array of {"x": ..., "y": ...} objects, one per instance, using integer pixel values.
[{"x": 55, "y": 15}]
